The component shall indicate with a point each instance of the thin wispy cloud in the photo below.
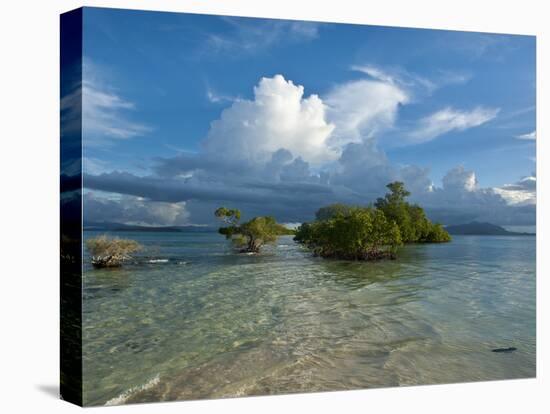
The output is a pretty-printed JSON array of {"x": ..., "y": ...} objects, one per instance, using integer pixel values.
[
  {"x": 517, "y": 119},
  {"x": 395, "y": 76},
  {"x": 71, "y": 111},
  {"x": 105, "y": 113},
  {"x": 246, "y": 36},
  {"x": 96, "y": 166},
  {"x": 449, "y": 119},
  {"x": 414, "y": 84},
  {"x": 218, "y": 98},
  {"x": 531, "y": 136},
  {"x": 475, "y": 46},
  {"x": 452, "y": 77}
]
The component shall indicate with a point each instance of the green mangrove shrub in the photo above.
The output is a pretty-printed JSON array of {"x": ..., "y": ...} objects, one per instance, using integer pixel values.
[
  {"x": 249, "y": 237},
  {"x": 363, "y": 233}
]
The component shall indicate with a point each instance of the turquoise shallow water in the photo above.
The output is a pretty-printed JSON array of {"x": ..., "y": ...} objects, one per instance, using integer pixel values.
[{"x": 200, "y": 321}]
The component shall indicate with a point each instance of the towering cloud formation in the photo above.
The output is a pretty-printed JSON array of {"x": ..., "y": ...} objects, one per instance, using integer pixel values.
[
  {"x": 316, "y": 130},
  {"x": 279, "y": 117},
  {"x": 458, "y": 179}
]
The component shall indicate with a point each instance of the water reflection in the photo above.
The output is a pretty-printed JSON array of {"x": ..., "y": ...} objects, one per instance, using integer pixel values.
[{"x": 356, "y": 275}]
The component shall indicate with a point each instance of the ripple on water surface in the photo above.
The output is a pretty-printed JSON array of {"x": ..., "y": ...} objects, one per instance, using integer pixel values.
[{"x": 198, "y": 321}]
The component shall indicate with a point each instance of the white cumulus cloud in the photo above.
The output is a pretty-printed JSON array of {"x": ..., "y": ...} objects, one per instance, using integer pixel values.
[
  {"x": 279, "y": 117},
  {"x": 459, "y": 179},
  {"x": 134, "y": 210},
  {"x": 523, "y": 192},
  {"x": 315, "y": 129}
]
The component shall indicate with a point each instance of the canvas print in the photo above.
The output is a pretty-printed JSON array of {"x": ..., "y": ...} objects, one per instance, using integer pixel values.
[{"x": 255, "y": 206}]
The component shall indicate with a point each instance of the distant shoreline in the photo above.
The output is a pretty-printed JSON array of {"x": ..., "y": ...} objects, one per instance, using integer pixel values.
[
  {"x": 475, "y": 228},
  {"x": 136, "y": 228},
  {"x": 467, "y": 229}
]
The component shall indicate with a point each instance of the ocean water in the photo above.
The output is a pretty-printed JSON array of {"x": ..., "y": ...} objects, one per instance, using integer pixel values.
[{"x": 192, "y": 319}]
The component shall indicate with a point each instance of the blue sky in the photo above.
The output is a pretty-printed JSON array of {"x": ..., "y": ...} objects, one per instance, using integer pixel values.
[{"x": 169, "y": 89}]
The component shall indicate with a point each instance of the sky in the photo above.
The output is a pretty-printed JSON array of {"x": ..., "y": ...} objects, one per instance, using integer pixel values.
[{"x": 182, "y": 113}]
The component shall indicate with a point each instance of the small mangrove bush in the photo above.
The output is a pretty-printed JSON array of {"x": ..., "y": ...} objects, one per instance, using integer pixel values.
[
  {"x": 249, "y": 237},
  {"x": 111, "y": 252}
]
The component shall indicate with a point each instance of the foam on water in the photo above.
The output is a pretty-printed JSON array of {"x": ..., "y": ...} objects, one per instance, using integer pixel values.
[
  {"x": 158, "y": 261},
  {"x": 122, "y": 398}
]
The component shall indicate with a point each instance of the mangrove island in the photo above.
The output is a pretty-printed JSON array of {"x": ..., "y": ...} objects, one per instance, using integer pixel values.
[{"x": 370, "y": 233}]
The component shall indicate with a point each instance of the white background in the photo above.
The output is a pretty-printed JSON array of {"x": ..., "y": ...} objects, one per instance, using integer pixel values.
[{"x": 29, "y": 156}]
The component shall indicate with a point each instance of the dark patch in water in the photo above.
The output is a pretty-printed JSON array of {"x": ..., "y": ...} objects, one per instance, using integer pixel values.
[
  {"x": 510, "y": 349},
  {"x": 142, "y": 344}
]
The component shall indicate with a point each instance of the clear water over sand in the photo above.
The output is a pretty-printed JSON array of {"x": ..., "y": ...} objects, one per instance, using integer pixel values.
[{"x": 204, "y": 322}]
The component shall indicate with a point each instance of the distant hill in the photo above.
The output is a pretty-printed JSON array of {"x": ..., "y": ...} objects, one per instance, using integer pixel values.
[
  {"x": 482, "y": 229},
  {"x": 128, "y": 227}
]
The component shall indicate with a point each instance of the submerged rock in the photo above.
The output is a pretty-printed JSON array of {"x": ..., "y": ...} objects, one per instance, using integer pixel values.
[{"x": 509, "y": 349}]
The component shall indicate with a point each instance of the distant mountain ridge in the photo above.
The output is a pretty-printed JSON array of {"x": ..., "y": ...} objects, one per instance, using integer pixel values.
[
  {"x": 109, "y": 226},
  {"x": 482, "y": 229}
]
